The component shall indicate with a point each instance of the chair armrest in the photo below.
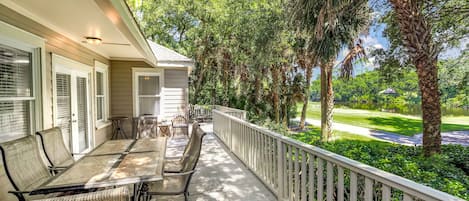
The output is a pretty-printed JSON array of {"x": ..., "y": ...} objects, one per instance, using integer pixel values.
[
  {"x": 19, "y": 194},
  {"x": 78, "y": 154},
  {"x": 58, "y": 167}
]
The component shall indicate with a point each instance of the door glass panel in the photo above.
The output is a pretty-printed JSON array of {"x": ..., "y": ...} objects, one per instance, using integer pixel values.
[
  {"x": 82, "y": 116},
  {"x": 64, "y": 108},
  {"x": 148, "y": 85},
  {"x": 149, "y": 106}
]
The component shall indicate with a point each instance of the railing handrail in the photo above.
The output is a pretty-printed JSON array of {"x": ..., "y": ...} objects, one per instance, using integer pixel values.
[
  {"x": 384, "y": 177},
  {"x": 228, "y": 108}
]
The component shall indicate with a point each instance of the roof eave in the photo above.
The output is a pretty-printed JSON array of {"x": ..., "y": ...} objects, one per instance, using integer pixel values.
[{"x": 119, "y": 13}]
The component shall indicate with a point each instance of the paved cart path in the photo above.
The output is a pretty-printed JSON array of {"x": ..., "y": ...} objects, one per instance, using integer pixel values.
[{"x": 452, "y": 137}]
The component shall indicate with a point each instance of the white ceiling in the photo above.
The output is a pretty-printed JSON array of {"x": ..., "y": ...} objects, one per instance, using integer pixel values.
[{"x": 76, "y": 19}]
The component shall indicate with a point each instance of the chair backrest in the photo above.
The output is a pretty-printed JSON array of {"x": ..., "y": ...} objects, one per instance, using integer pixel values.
[
  {"x": 147, "y": 127},
  {"x": 23, "y": 163},
  {"x": 54, "y": 147},
  {"x": 179, "y": 120},
  {"x": 195, "y": 126},
  {"x": 191, "y": 157}
]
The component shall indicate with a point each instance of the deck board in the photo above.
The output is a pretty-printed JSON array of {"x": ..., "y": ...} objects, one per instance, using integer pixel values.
[{"x": 219, "y": 175}]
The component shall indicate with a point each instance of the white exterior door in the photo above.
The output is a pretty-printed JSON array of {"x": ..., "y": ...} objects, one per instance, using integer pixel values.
[{"x": 73, "y": 107}]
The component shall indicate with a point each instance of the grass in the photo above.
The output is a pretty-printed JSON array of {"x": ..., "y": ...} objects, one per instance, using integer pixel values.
[
  {"x": 313, "y": 134},
  {"x": 385, "y": 121}
]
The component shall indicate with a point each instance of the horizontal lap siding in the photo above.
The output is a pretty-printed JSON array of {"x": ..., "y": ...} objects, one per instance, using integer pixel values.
[
  {"x": 55, "y": 44},
  {"x": 175, "y": 92},
  {"x": 121, "y": 89}
]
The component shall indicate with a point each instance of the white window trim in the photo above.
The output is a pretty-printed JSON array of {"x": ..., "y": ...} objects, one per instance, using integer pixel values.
[
  {"x": 147, "y": 71},
  {"x": 103, "y": 68},
  {"x": 15, "y": 37}
]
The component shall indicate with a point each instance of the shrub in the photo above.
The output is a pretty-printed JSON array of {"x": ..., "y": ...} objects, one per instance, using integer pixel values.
[{"x": 447, "y": 172}]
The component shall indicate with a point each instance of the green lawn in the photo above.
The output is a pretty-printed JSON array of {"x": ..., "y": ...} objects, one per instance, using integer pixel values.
[
  {"x": 385, "y": 121},
  {"x": 313, "y": 134}
]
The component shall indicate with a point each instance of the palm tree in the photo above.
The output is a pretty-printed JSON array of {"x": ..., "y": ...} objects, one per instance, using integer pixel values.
[
  {"x": 331, "y": 24},
  {"x": 417, "y": 38},
  {"x": 306, "y": 60}
]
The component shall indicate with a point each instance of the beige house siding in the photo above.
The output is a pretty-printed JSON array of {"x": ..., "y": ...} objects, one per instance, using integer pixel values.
[
  {"x": 175, "y": 92},
  {"x": 121, "y": 90},
  {"x": 55, "y": 44}
]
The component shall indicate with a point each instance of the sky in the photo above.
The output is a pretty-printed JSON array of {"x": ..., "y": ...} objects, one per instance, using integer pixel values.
[{"x": 376, "y": 40}]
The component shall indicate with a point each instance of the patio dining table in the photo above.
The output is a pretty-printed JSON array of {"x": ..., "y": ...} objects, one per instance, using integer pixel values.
[{"x": 113, "y": 163}]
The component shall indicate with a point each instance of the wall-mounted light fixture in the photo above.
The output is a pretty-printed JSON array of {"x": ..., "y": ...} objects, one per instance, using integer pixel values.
[{"x": 93, "y": 40}]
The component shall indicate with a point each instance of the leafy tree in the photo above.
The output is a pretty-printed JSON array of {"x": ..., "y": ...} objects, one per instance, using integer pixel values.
[
  {"x": 424, "y": 29},
  {"x": 331, "y": 24}
]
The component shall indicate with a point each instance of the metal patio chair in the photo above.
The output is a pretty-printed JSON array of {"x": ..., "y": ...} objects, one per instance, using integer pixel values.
[
  {"x": 174, "y": 164},
  {"x": 54, "y": 148},
  {"x": 178, "y": 183},
  {"x": 24, "y": 166},
  {"x": 115, "y": 194},
  {"x": 147, "y": 127},
  {"x": 180, "y": 123}
]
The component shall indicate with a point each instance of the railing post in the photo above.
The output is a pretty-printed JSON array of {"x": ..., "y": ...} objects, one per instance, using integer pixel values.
[
  {"x": 230, "y": 135},
  {"x": 280, "y": 169}
]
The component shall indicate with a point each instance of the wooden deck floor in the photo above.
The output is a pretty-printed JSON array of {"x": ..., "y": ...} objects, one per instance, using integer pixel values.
[{"x": 219, "y": 176}]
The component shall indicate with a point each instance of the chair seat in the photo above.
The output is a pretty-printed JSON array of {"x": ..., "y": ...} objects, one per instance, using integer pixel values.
[
  {"x": 167, "y": 197},
  {"x": 172, "y": 165},
  {"x": 116, "y": 194},
  {"x": 41, "y": 196},
  {"x": 36, "y": 183},
  {"x": 169, "y": 185}
]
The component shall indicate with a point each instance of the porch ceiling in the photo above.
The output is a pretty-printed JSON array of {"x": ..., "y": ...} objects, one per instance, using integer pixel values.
[{"x": 77, "y": 19}]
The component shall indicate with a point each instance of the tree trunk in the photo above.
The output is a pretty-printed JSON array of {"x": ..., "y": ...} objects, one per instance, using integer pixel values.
[
  {"x": 309, "y": 74},
  {"x": 275, "y": 92},
  {"x": 417, "y": 38},
  {"x": 327, "y": 101}
]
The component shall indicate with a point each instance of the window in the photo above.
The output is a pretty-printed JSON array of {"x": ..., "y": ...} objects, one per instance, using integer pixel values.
[
  {"x": 102, "y": 104},
  {"x": 147, "y": 91},
  {"x": 16, "y": 91}
]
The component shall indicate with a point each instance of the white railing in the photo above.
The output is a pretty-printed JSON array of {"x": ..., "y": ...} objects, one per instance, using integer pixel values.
[
  {"x": 297, "y": 171},
  {"x": 231, "y": 111}
]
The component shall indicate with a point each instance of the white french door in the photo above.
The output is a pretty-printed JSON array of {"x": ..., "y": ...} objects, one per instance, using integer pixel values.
[{"x": 73, "y": 107}]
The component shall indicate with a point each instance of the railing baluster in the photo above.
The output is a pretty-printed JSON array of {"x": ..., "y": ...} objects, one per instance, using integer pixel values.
[
  {"x": 285, "y": 170},
  {"x": 368, "y": 189},
  {"x": 297, "y": 175},
  {"x": 407, "y": 197},
  {"x": 340, "y": 183},
  {"x": 280, "y": 169},
  {"x": 386, "y": 192},
  {"x": 353, "y": 186},
  {"x": 303, "y": 176},
  {"x": 288, "y": 167},
  {"x": 320, "y": 178},
  {"x": 290, "y": 171},
  {"x": 330, "y": 181}
]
